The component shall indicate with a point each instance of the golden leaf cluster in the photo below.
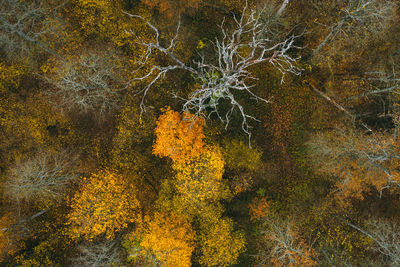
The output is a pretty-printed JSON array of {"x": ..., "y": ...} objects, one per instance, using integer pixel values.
[{"x": 103, "y": 205}]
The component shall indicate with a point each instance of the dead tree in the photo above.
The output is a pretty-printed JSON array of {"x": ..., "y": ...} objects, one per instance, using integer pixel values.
[
  {"x": 249, "y": 43},
  {"x": 23, "y": 24},
  {"x": 358, "y": 160},
  {"x": 102, "y": 253},
  {"x": 42, "y": 178},
  {"x": 386, "y": 237},
  {"x": 89, "y": 82},
  {"x": 380, "y": 82},
  {"x": 359, "y": 16},
  {"x": 374, "y": 153},
  {"x": 282, "y": 246}
]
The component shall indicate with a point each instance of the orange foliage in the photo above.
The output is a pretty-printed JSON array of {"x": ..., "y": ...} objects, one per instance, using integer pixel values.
[
  {"x": 241, "y": 183},
  {"x": 178, "y": 136},
  {"x": 358, "y": 161},
  {"x": 170, "y": 239},
  {"x": 199, "y": 168},
  {"x": 258, "y": 208},
  {"x": 199, "y": 184}
]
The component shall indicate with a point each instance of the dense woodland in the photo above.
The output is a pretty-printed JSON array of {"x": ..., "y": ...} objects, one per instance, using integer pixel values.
[{"x": 199, "y": 133}]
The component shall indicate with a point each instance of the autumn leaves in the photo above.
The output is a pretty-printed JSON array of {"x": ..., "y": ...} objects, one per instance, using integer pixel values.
[
  {"x": 187, "y": 216},
  {"x": 104, "y": 205},
  {"x": 198, "y": 167},
  {"x": 179, "y": 137}
]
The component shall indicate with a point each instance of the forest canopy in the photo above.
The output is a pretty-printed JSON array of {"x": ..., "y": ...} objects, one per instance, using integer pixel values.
[{"x": 199, "y": 133}]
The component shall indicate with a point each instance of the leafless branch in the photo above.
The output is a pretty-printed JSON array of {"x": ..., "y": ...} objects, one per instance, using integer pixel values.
[
  {"x": 41, "y": 178},
  {"x": 282, "y": 245},
  {"x": 89, "y": 82},
  {"x": 330, "y": 100},
  {"x": 282, "y": 8},
  {"x": 23, "y": 221},
  {"x": 386, "y": 237},
  {"x": 381, "y": 82},
  {"x": 102, "y": 253},
  {"x": 246, "y": 45},
  {"x": 24, "y": 23},
  {"x": 359, "y": 16}
]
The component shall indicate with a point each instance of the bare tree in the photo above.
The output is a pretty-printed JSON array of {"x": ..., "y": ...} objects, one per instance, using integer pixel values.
[
  {"x": 358, "y": 159},
  {"x": 359, "y": 16},
  {"x": 249, "y": 43},
  {"x": 380, "y": 83},
  {"x": 23, "y": 24},
  {"x": 41, "y": 178},
  {"x": 95, "y": 254},
  {"x": 282, "y": 246},
  {"x": 386, "y": 237},
  {"x": 89, "y": 82}
]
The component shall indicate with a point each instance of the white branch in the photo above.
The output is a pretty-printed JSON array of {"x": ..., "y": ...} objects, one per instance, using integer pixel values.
[
  {"x": 236, "y": 51},
  {"x": 282, "y": 8}
]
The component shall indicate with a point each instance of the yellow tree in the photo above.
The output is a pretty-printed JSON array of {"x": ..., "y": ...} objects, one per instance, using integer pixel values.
[
  {"x": 132, "y": 150},
  {"x": 28, "y": 124},
  {"x": 105, "y": 19},
  {"x": 197, "y": 187},
  {"x": 166, "y": 239},
  {"x": 103, "y": 205},
  {"x": 100, "y": 17},
  {"x": 241, "y": 162},
  {"x": 219, "y": 243},
  {"x": 199, "y": 179},
  {"x": 178, "y": 136},
  {"x": 9, "y": 76}
]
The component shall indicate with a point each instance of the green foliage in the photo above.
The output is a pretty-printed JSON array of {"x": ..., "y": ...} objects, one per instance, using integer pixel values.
[{"x": 261, "y": 192}]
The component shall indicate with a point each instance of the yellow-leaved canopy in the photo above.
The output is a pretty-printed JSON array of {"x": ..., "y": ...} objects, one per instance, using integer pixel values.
[
  {"x": 198, "y": 187},
  {"x": 219, "y": 243},
  {"x": 104, "y": 204},
  {"x": 199, "y": 178},
  {"x": 166, "y": 238}
]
